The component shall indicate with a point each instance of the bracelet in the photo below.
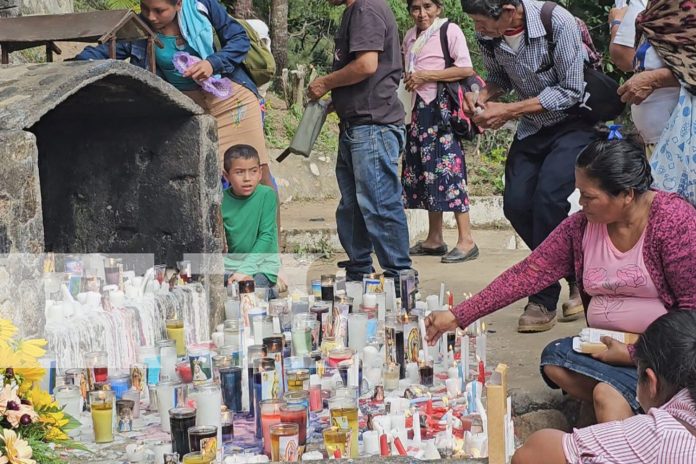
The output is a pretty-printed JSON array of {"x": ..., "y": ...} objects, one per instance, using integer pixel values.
[{"x": 614, "y": 22}]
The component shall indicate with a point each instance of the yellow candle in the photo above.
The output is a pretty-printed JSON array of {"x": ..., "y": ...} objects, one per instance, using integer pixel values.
[
  {"x": 102, "y": 406},
  {"x": 197, "y": 458},
  {"x": 347, "y": 418},
  {"x": 175, "y": 331}
]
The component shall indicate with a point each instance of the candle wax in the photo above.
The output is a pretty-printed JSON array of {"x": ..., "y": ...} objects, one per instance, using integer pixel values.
[{"x": 103, "y": 421}]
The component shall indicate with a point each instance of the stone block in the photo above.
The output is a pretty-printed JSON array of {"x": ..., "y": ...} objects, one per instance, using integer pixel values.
[{"x": 527, "y": 424}]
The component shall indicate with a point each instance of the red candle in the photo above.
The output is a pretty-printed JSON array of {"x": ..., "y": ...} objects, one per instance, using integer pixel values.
[
  {"x": 384, "y": 445},
  {"x": 481, "y": 373},
  {"x": 101, "y": 374},
  {"x": 400, "y": 447},
  {"x": 296, "y": 414},
  {"x": 184, "y": 370}
]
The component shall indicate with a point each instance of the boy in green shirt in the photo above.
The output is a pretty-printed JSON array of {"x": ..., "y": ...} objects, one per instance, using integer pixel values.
[{"x": 249, "y": 218}]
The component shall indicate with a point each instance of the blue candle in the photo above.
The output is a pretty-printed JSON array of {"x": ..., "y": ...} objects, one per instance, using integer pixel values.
[
  {"x": 231, "y": 381},
  {"x": 119, "y": 385}
]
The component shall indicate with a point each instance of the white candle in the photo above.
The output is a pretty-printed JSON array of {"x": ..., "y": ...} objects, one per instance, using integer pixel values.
[
  {"x": 357, "y": 331},
  {"x": 371, "y": 442},
  {"x": 354, "y": 290},
  {"x": 464, "y": 351},
  {"x": 168, "y": 362},
  {"x": 166, "y": 400},
  {"x": 208, "y": 399},
  {"x": 381, "y": 306},
  {"x": 442, "y": 293},
  {"x": 453, "y": 387},
  {"x": 412, "y": 373},
  {"x": 390, "y": 294},
  {"x": 453, "y": 373},
  {"x": 369, "y": 300},
  {"x": 433, "y": 302},
  {"x": 421, "y": 326}
]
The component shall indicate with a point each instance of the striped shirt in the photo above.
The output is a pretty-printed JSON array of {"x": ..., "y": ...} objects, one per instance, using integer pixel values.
[
  {"x": 530, "y": 72},
  {"x": 655, "y": 437}
]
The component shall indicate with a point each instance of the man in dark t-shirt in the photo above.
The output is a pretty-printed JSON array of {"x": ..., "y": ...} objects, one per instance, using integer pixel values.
[{"x": 366, "y": 73}]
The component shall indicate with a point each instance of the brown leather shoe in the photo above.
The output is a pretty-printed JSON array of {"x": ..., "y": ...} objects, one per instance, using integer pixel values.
[
  {"x": 536, "y": 318},
  {"x": 572, "y": 309}
]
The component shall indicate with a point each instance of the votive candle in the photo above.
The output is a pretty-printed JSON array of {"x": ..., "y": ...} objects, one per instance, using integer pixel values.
[{"x": 102, "y": 407}]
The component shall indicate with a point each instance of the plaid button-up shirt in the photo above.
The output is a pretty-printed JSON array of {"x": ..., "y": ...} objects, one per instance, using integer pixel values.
[{"x": 531, "y": 72}]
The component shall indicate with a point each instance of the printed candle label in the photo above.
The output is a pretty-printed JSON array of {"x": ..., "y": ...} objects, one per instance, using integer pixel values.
[
  {"x": 269, "y": 385},
  {"x": 340, "y": 322},
  {"x": 390, "y": 341},
  {"x": 414, "y": 343},
  {"x": 246, "y": 303},
  {"x": 287, "y": 448},
  {"x": 209, "y": 446},
  {"x": 341, "y": 422},
  {"x": 200, "y": 368},
  {"x": 277, "y": 391},
  {"x": 373, "y": 286}
]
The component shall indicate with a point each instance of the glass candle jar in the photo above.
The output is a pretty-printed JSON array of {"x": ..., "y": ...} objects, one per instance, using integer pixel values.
[
  {"x": 328, "y": 281},
  {"x": 298, "y": 379},
  {"x": 338, "y": 355},
  {"x": 201, "y": 364},
  {"x": 138, "y": 376},
  {"x": 343, "y": 410},
  {"x": 316, "y": 288},
  {"x": 357, "y": 331},
  {"x": 220, "y": 361},
  {"x": 181, "y": 420},
  {"x": 302, "y": 327},
  {"x": 265, "y": 382},
  {"x": 149, "y": 355},
  {"x": 295, "y": 414},
  {"x": 203, "y": 438},
  {"x": 197, "y": 458},
  {"x": 119, "y": 384},
  {"x": 167, "y": 358},
  {"x": 227, "y": 421},
  {"x": 231, "y": 383},
  {"x": 316, "y": 404},
  {"x": 337, "y": 441},
  {"x": 281, "y": 309},
  {"x": 270, "y": 415},
  {"x": 102, "y": 407},
  {"x": 298, "y": 398},
  {"x": 134, "y": 396},
  {"x": 320, "y": 310},
  {"x": 175, "y": 331},
  {"x": 69, "y": 398},
  {"x": 183, "y": 370},
  {"x": 167, "y": 398},
  {"x": 124, "y": 415},
  {"x": 274, "y": 348},
  {"x": 97, "y": 363},
  {"x": 253, "y": 352},
  {"x": 390, "y": 376},
  {"x": 284, "y": 442},
  {"x": 232, "y": 333}
]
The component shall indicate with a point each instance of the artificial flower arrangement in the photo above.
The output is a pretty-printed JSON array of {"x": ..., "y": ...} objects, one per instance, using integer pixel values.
[{"x": 32, "y": 425}]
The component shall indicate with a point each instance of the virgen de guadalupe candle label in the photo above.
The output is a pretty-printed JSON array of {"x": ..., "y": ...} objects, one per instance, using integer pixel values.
[
  {"x": 287, "y": 448},
  {"x": 413, "y": 341}
]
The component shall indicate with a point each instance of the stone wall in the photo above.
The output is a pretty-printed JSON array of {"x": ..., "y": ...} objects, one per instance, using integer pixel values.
[
  {"x": 9, "y": 8},
  {"x": 43, "y": 7}
]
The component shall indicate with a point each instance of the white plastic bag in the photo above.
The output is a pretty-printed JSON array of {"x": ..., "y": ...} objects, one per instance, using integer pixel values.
[{"x": 406, "y": 99}]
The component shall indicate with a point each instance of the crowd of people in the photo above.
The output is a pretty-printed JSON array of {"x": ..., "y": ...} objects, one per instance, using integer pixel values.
[{"x": 627, "y": 255}]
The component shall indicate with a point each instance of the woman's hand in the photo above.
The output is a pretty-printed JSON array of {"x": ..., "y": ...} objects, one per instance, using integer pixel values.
[
  {"x": 639, "y": 87},
  {"x": 616, "y": 353},
  {"x": 438, "y": 323},
  {"x": 199, "y": 71},
  {"x": 414, "y": 80}
]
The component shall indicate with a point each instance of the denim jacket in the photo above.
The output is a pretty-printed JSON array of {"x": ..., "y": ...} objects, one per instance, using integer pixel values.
[{"x": 226, "y": 61}]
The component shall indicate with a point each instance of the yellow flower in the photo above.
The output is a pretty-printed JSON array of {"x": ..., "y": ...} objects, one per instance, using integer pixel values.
[
  {"x": 29, "y": 351},
  {"x": 30, "y": 373},
  {"x": 17, "y": 451},
  {"x": 39, "y": 398},
  {"x": 55, "y": 434},
  {"x": 7, "y": 331}
]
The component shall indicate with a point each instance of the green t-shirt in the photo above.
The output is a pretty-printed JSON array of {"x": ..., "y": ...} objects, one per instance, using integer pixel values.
[{"x": 251, "y": 232}]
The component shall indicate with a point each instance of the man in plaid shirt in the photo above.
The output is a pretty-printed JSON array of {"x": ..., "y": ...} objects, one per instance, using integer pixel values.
[{"x": 540, "y": 167}]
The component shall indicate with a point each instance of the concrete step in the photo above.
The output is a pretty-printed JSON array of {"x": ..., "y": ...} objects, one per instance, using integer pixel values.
[{"x": 310, "y": 226}]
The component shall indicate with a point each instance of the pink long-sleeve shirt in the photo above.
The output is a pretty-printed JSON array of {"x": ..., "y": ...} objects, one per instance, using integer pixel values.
[{"x": 669, "y": 253}]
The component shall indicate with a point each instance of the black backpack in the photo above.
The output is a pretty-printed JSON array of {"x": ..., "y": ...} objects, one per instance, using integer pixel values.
[
  {"x": 600, "y": 100},
  {"x": 462, "y": 126}
]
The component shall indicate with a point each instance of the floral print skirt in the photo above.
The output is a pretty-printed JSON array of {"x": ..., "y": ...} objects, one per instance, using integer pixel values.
[{"x": 433, "y": 170}]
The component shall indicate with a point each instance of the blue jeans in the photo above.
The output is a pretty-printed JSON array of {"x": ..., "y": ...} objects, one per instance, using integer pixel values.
[{"x": 370, "y": 215}]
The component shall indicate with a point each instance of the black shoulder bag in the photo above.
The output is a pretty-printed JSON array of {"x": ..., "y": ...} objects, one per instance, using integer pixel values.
[
  {"x": 461, "y": 125},
  {"x": 600, "y": 100}
]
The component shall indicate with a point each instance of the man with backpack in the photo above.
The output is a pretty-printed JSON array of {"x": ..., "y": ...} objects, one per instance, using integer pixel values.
[
  {"x": 547, "y": 75},
  {"x": 363, "y": 84}
]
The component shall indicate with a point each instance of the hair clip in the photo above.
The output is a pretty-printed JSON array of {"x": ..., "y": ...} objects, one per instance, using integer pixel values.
[{"x": 614, "y": 132}]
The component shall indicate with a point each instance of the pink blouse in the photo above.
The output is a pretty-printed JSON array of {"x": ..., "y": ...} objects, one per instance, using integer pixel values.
[
  {"x": 431, "y": 57},
  {"x": 624, "y": 296}
]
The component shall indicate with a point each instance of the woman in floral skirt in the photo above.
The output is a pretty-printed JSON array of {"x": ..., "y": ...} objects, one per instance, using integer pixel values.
[{"x": 434, "y": 170}]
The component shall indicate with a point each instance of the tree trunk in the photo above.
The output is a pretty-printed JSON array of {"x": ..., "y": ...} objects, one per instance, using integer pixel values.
[
  {"x": 243, "y": 9},
  {"x": 279, "y": 32}
]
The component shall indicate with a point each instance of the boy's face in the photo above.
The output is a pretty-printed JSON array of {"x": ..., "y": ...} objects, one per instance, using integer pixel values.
[{"x": 244, "y": 175}]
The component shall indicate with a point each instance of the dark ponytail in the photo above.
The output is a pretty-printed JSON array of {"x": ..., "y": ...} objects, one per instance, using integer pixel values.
[
  {"x": 619, "y": 165},
  {"x": 668, "y": 347}
]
